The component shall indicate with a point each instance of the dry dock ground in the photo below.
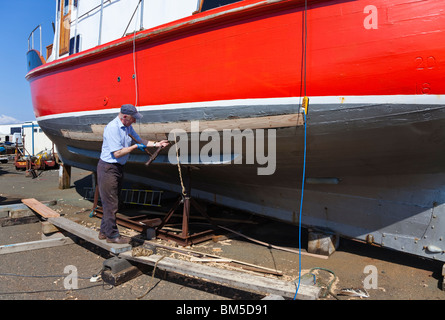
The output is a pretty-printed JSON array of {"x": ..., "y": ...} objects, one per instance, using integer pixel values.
[{"x": 398, "y": 276}]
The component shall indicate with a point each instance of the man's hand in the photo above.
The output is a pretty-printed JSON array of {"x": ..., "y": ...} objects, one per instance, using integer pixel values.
[{"x": 162, "y": 143}]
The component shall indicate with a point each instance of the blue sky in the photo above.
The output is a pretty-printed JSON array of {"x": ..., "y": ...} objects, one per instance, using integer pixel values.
[{"x": 17, "y": 20}]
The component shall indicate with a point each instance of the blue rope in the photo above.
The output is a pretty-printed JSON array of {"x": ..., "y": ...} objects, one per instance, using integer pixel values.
[
  {"x": 301, "y": 207},
  {"x": 306, "y": 105}
]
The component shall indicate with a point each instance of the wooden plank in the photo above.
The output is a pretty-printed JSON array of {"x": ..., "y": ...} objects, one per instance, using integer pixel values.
[
  {"x": 274, "y": 246},
  {"x": 48, "y": 228},
  {"x": 240, "y": 280},
  {"x": 152, "y": 131},
  {"x": 18, "y": 210},
  {"x": 40, "y": 208},
  {"x": 33, "y": 245},
  {"x": 7, "y": 222},
  {"x": 10, "y": 207},
  {"x": 88, "y": 235},
  {"x": 223, "y": 260},
  {"x": 208, "y": 255}
]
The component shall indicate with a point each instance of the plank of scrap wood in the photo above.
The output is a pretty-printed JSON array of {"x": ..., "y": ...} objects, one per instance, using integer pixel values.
[
  {"x": 274, "y": 246},
  {"x": 40, "y": 208},
  {"x": 33, "y": 245},
  {"x": 236, "y": 279},
  {"x": 217, "y": 260},
  {"x": 88, "y": 235},
  {"x": 7, "y": 222},
  {"x": 18, "y": 210},
  {"x": 208, "y": 255},
  {"x": 21, "y": 206}
]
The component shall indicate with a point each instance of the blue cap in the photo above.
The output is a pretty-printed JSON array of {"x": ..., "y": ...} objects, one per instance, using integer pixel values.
[{"x": 130, "y": 110}]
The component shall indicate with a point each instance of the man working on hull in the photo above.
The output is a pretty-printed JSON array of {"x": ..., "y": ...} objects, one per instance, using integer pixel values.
[{"x": 116, "y": 148}]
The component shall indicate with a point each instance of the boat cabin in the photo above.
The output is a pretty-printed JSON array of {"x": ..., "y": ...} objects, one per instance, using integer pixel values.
[{"x": 84, "y": 24}]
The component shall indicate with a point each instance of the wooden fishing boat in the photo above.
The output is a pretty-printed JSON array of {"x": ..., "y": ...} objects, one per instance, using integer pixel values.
[{"x": 375, "y": 138}]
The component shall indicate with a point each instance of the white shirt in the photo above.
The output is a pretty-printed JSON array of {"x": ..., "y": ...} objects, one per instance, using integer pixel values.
[{"x": 116, "y": 136}]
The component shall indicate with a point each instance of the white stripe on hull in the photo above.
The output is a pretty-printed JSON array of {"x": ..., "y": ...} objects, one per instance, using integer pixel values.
[{"x": 321, "y": 100}]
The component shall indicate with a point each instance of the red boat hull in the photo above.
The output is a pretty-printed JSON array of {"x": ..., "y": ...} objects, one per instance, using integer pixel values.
[{"x": 256, "y": 54}]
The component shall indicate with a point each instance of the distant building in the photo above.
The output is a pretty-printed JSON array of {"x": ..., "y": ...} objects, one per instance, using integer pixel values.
[
  {"x": 29, "y": 134},
  {"x": 34, "y": 139},
  {"x": 10, "y": 133}
]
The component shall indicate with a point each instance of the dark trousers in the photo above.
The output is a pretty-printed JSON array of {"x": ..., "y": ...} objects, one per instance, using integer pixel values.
[{"x": 109, "y": 181}]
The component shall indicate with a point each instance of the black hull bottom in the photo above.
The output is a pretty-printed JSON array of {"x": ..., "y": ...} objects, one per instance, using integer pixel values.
[{"x": 378, "y": 176}]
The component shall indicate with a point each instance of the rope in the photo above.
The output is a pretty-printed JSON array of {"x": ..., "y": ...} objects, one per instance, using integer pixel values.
[
  {"x": 134, "y": 65},
  {"x": 134, "y": 59},
  {"x": 137, "y": 7},
  {"x": 152, "y": 276},
  {"x": 329, "y": 285},
  {"x": 304, "y": 105},
  {"x": 305, "y": 48},
  {"x": 301, "y": 208},
  {"x": 179, "y": 167}
]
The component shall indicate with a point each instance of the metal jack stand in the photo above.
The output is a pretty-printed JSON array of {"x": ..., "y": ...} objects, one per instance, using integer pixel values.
[{"x": 185, "y": 238}]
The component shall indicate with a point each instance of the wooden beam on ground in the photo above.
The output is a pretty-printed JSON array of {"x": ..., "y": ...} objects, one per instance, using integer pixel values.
[
  {"x": 88, "y": 235},
  {"x": 235, "y": 279},
  {"x": 198, "y": 254},
  {"x": 274, "y": 246},
  {"x": 40, "y": 208},
  {"x": 33, "y": 245},
  {"x": 19, "y": 210},
  {"x": 7, "y": 222},
  {"x": 73, "y": 227}
]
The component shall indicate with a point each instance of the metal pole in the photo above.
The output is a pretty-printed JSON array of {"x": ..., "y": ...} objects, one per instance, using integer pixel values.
[
  {"x": 57, "y": 36},
  {"x": 32, "y": 137},
  {"x": 198, "y": 6},
  {"x": 142, "y": 15},
  {"x": 100, "y": 24},
  {"x": 75, "y": 30},
  {"x": 40, "y": 27}
]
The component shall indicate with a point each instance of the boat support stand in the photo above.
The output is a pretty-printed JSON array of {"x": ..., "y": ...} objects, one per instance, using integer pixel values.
[
  {"x": 141, "y": 223},
  {"x": 185, "y": 238}
]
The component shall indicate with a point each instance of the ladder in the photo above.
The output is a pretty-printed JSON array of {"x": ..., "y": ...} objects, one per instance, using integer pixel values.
[
  {"x": 142, "y": 197},
  {"x": 133, "y": 196}
]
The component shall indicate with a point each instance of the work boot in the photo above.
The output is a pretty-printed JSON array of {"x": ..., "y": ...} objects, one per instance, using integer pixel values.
[
  {"x": 119, "y": 240},
  {"x": 102, "y": 236}
]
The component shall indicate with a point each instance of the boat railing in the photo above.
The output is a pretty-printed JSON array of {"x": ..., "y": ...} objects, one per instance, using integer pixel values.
[
  {"x": 34, "y": 58},
  {"x": 31, "y": 39},
  {"x": 100, "y": 7}
]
